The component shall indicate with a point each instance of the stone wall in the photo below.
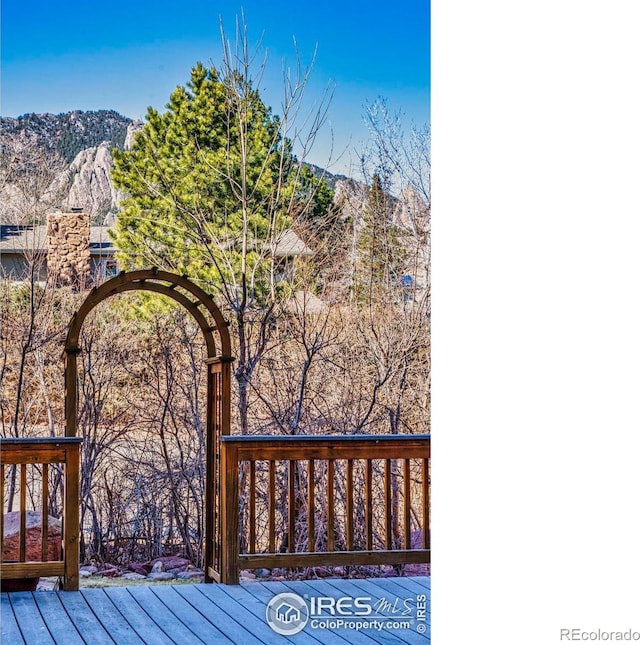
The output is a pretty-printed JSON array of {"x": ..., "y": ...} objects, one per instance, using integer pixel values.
[{"x": 68, "y": 258}]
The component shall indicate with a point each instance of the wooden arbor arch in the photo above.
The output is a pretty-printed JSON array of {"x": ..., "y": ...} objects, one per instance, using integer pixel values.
[{"x": 202, "y": 307}]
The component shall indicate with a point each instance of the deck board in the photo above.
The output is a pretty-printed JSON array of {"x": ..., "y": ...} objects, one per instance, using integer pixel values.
[
  {"x": 32, "y": 626},
  {"x": 193, "y": 614},
  {"x": 135, "y": 616},
  {"x": 55, "y": 616},
  {"x": 115, "y": 624},
  {"x": 413, "y": 584},
  {"x": 194, "y": 620},
  {"x": 9, "y": 630},
  {"x": 260, "y": 631},
  {"x": 174, "y": 629},
  {"x": 85, "y": 621},
  {"x": 232, "y": 629}
]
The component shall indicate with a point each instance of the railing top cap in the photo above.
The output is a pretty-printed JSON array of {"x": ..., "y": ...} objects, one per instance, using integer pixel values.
[
  {"x": 13, "y": 441},
  {"x": 340, "y": 438}
]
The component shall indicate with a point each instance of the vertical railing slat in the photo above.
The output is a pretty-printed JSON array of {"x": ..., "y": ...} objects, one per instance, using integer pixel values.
[
  {"x": 407, "y": 504},
  {"x": 252, "y": 506},
  {"x": 291, "y": 524},
  {"x": 426, "y": 538},
  {"x": 387, "y": 504},
  {"x": 330, "y": 505},
  {"x": 311, "y": 506},
  {"x": 23, "y": 512},
  {"x": 349, "y": 505},
  {"x": 272, "y": 506},
  {"x": 368, "y": 503},
  {"x": 44, "y": 533}
]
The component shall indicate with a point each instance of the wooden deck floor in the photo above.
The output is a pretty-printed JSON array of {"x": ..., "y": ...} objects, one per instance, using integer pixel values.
[{"x": 185, "y": 614}]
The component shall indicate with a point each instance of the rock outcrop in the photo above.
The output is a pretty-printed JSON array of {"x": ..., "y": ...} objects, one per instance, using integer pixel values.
[
  {"x": 64, "y": 161},
  {"x": 91, "y": 187},
  {"x": 352, "y": 196},
  {"x": 132, "y": 128}
]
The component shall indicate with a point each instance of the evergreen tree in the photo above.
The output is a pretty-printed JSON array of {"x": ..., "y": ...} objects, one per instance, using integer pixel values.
[
  {"x": 210, "y": 183},
  {"x": 380, "y": 258}
]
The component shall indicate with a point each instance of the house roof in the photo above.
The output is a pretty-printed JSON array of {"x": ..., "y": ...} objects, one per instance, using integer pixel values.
[
  {"x": 288, "y": 243},
  {"x": 22, "y": 239},
  {"x": 15, "y": 238},
  {"x": 305, "y": 302},
  {"x": 99, "y": 240}
]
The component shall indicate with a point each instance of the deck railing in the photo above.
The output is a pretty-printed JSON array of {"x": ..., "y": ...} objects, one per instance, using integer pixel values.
[
  {"x": 32, "y": 458},
  {"x": 307, "y": 501}
]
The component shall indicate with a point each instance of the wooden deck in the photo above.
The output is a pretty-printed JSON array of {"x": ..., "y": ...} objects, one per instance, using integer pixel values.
[{"x": 185, "y": 614}]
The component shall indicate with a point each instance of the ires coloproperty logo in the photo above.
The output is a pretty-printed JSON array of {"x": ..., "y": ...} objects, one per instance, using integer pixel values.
[{"x": 289, "y": 613}]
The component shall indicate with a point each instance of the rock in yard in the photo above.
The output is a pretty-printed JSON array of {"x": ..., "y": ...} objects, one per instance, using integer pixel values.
[
  {"x": 158, "y": 567},
  {"x": 188, "y": 575},
  {"x": 263, "y": 573},
  {"x": 11, "y": 536},
  {"x": 142, "y": 569},
  {"x": 160, "y": 575},
  {"x": 133, "y": 576},
  {"x": 110, "y": 573},
  {"x": 89, "y": 568},
  {"x": 171, "y": 562},
  {"x": 48, "y": 584}
]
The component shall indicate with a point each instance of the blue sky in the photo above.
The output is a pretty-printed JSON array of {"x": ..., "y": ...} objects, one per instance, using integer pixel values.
[{"x": 60, "y": 56}]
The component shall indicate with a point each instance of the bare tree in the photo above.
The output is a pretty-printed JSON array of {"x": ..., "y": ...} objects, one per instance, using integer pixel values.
[
  {"x": 403, "y": 160},
  {"x": 31, "y": 180}
]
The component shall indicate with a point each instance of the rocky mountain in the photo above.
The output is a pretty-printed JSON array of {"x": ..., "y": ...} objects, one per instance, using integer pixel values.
[
  {"x": 68, "y": 133},
  {"x": 330, "y": 178},
  {"x": 89, "y": 178},
  {"x": 77, "y": 146},
  {"x": 68, "y": 158}
]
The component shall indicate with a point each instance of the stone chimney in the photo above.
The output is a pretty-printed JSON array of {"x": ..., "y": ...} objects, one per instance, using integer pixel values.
[{"x": 68, "y": 258}]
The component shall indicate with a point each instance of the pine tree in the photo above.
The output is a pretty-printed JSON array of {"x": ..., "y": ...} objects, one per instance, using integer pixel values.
[
  {"x": 379, "y": 258},
  {"x": 210, "y": 183}
]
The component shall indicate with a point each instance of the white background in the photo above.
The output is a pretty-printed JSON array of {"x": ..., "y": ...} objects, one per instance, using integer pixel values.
[{"x": 536, "y": 326}]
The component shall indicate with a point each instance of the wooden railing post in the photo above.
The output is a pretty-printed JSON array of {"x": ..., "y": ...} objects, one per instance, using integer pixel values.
[
  {"x": 211, "y": 512},
  {"x": 72, "y": 518},
  {"x": 230, "y": 507}
]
